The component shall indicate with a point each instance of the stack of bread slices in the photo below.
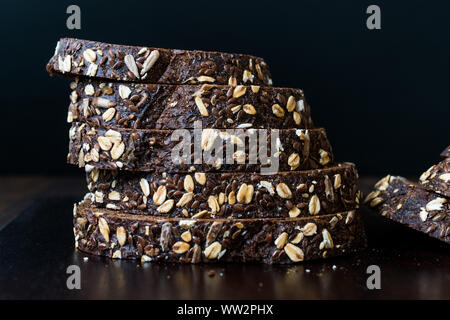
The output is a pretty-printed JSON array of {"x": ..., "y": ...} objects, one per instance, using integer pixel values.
[{"x": 130, "y": 105}]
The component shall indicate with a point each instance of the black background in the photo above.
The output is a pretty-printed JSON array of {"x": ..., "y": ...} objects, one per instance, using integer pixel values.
[{"x": 381, "y": 94}]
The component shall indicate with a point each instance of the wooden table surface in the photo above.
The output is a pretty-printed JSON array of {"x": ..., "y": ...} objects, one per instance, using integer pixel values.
[{"x": 36, "y": 247}]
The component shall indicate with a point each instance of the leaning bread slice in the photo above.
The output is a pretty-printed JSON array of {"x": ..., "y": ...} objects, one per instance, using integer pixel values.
[
  {"x": 124, "y": 236},
  {"x": 227, "y": 195},
  {"x": 157, "y": 106},
  {"x": 407, "y": 203},
  {"x": 76, "y": 57},
  {"x": 437, "y": 178}
]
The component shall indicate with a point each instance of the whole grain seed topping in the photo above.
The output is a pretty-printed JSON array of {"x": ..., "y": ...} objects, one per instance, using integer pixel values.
[
  {"x": 294, "y": 212},
  {"x": 290, "y": 106},
  {"x": 201, "y": 106},
  {"x": 259, "y": 72},
  {"x": 327, "y": 242},
  {"x": 239, "y": 156},
  {"x": 166, "y": 236},
  {"x": 208, "y": 138},
  {"x": 426, "y": 174},
  {"x": 239, "y": 91},
  {"x": 114, "y": 196},
  {"x": 333, "y": 221},
  {"x": 200, "y": 177},
  {"x": 329, "y": 192},
  {"x": 248, "y": 196},
  {"x": 435, "y": 204},
  {"x": 150, "y": 61},
  {"x": 92, "y": 70},
  {"x": 376, "y": 201},
  {"x": 247, "y": 76},
  {"x": 94, "y": 155},
  {"x": 241, "y": 193},
  {"x": 104, "y": 228},
  {"x": 232, "y": 198},
  {"x": 131, "y": 65},
  {"x": 236, "y": 108},
  {"x": 205, "y": 79},
  {"x": 309, "y": 229},
  {"x": 294, "y": 253},
  {"x": 372, "y": 196},
  {"x": 121, "y": 235},
  {"x": 337, "y": 181},
  {"x": 200, "y": 215},
  {"x": 314, "y": 205},
  {"x": 298, "y": 238},
  {"x": 90, "y": 55},
  {"x": 267, "y": 185},
  {"x": 232, "y": 81},
  {"x": 186, "y": 236},
  {"x": 67, "y": 64},
  {"x": 255, "y": 89},
  {"x": 160, "y": 195},
  {"x": 294, "y": 160},
  {"x": 166, "y": 206},
  {"x": 185, "y": 198},
  {"x": 145, "y": 187},
  {"x": 103, "y": 102},
  {"x": 89, "y": 90},
  {"x": 222, "y": 198},
  {"x": 324, "y": 157},
  {"x": 188, "y": 183},
  {"x": 350, "y": 217},
  {"x": 278, "y": 110},
  {"x": 297, "y": 118},
  {"x": 281, "y": 240},
  {"x": 248, "y": 108},
  {"x": 109, "y": 114},
  {"x": 213, "y": 250},
  {"x": 117, "y": 150},
  {"x": 300, "y": 105},
  {"x": 283, "y": 191},
  {"x": 74, "y": 96},
  {"x": 124, "y": 91},
  {"x": 383, "y": 184},
  {"x": 104, "y": 143},
  {"x": 117, "y": 254},
  {"x": 186, "y": 224},
  {"x": 245, "y": 193},
  {"x": 60, "y": 64},
  {"x": 423, "y": 214},
  {"x": 213, "y": 204},
  {"x": 180, "y": 247}
]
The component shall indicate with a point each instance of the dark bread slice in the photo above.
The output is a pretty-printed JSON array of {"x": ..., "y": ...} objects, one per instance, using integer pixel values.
[
  {"x": 227, "y": 195},
  {"x": 76, "y": 57},
  {"x": 407, "y": 203},
  {"x": 157, "y": 106},
  {"x": 124, "y": 236},
  {"x": 151, "y": 150},
  {"x": 437, "y": 178}
]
